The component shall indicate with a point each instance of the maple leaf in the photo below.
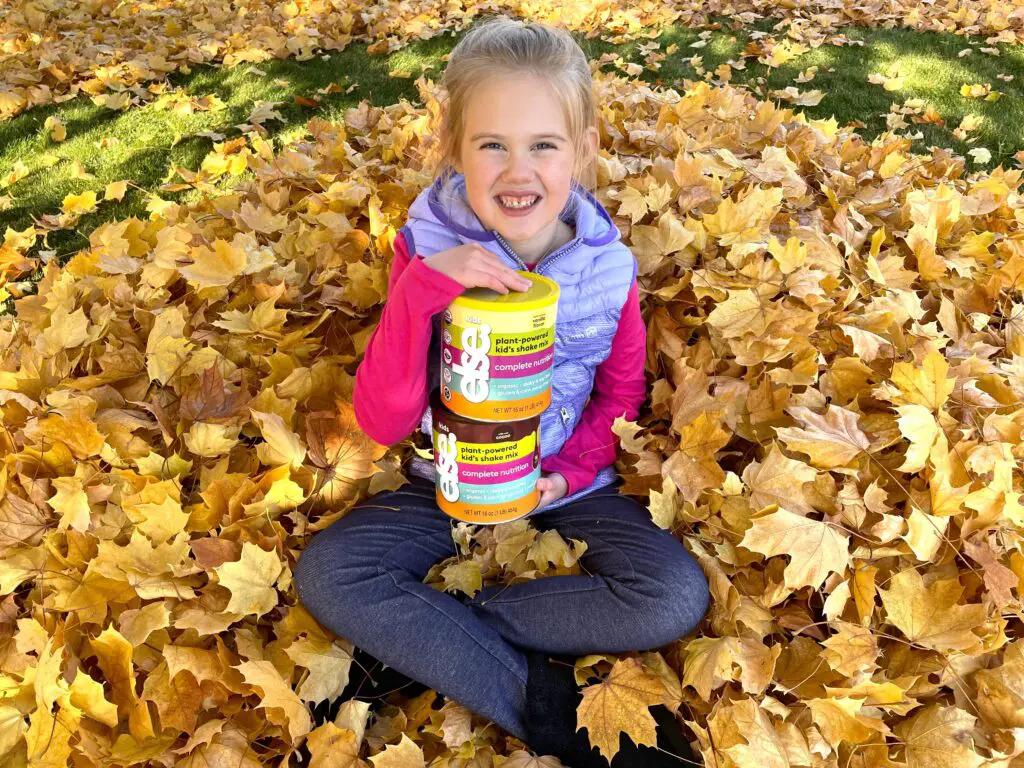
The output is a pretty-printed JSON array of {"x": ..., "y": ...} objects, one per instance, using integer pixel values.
[
  {"x": 627, "y": 430},
  {"x": 741, "y": 222},
  {"x": 345, "y": 453},
  {"x": 67, "y": 330},
  {"x": 115, "y": 190},
  {"x": 693, "y": 468},
  {"x": 980, "y": 155},
  {"x": 156, "y": 511},
  {"x": 796, "y": 96},
  {"x": 927, "y": 385},
  {"x": 831, "y": 440},
  {"x": 778, "y": 480},
  {"x": 930, "y": 615},
  {"x": 328, "y": 663},
  {"x": 282, "y": 445},
  {"x": 620, "y": 704},
  {"x": 205, "y": 439},
  {"x": 114, "y": 655},
  {"x": 999, "y": 579},
  {"x": 261, "y": 219},
  {"x": 207, "y": 397},
  {"x": 48, "y": 738},
  {"x": 276, "y": 697},
  {"x": 457, "y": 726},
  {"x": 549, "y": 548},
  {"x": 57, "y": 129},
  {"x": 852, "y": 649},
  {"x": 790, "y": 256},
  {"x": 72, "y": 502},
  {"x": 840, "y": 720},
  {"x": 919, "y": 426},
  {"x": 710, "y": 663},
  {"x": 632, "y": 203},
  {"x": 744, "y": 733},
  {"x": 251, "y": 580},
  {"x": 651, "y": 245},
  {"x": 464, "y": 576},
  {"x": 938, "y": 736},
  {"x": 925, "y": 533},
  {"x": 263, "y": 111},
  {"x": 333, "y": 747},
  {"x": 816, "y": 548},
  {"x": 744, "y": 312},
  {"x": 405, "y": 754},
  {"x": 217, "y": 266},
  {"x": 664, "y": 505}
]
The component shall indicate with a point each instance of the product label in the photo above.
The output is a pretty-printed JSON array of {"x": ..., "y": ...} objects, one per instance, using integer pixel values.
[
  {"x": 525, "y": 343},
  {"x": 503, "y": 367},
  {"x": 447, "y": 452},
  {"x": 493, "y": 453},
  {"x": 475, "y": 366},
  {"x": 499, "y": 493},
  {"x": 504, "y": 322}
]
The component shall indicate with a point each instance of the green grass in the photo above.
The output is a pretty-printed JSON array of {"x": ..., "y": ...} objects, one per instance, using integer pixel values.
[
  {"x": 145, "y": 143},
  {"x": 148, "y": 142},
  {"x": 927, "y": 61}
]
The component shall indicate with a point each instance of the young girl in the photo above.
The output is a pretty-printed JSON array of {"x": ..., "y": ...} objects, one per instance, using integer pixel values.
[{"x": 518, "y": 132}]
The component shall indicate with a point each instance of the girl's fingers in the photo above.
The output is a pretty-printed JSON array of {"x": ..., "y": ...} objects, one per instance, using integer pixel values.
[
  {"x": 509, "y": 276},
  {"x": 546, "y": 497},
  {"x": 494, "y": 279},
  {"x": 480, "y": 276}
]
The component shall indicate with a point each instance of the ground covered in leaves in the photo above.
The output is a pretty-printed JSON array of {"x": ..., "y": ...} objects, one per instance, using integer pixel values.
[{"x": 834, "y": 430}]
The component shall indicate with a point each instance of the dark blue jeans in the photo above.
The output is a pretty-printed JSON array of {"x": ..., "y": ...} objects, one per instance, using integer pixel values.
[{"x": 362, "y": 578}]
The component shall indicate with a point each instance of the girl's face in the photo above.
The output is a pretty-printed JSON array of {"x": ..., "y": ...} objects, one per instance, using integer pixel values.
[{"x": 516, "y": 144}]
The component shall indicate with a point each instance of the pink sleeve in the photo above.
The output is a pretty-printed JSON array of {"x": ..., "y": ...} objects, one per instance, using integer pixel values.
[
  {"x": 391, "y": 382},
  {"x": 619, "y": 390}
]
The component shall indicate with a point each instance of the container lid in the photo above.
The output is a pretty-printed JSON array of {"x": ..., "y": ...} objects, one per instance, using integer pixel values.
[{"x": 542, "y": 293}]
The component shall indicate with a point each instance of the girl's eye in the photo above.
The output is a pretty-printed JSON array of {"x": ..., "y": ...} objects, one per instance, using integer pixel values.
[{"x": 540, "y": 144}]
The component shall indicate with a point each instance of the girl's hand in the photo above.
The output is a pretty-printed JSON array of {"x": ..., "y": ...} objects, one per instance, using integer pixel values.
[
  {"x": 552, "y": 487},
  {"x": 474, "y": 266}
]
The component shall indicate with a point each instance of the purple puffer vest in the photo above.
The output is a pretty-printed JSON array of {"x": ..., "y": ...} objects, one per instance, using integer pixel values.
[{"x": 594, "y": 270}]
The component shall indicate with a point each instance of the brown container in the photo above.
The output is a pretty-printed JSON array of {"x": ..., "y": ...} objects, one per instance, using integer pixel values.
[{"x": 486, "y": 472}]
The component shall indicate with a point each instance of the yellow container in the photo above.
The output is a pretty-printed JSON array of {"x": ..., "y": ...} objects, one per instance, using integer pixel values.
[
  {"x": 486, "y": 473},
  {"x": 498, "y": 351}
]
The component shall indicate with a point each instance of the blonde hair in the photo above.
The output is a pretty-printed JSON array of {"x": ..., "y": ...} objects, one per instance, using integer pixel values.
[{"x": 504, "y": 46}]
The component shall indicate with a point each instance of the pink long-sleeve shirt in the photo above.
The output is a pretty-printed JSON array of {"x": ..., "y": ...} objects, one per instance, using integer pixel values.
[{"x": 391, "y": 390}]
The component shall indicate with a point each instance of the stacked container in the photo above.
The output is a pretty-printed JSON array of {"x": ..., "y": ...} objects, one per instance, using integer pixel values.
[{"x": 497, "y": 356}]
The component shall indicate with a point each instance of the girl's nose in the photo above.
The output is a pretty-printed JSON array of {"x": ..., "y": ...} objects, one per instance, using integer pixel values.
[{"x": 518, "y": 167}]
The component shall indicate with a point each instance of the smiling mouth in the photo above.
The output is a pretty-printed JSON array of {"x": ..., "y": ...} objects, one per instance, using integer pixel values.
[{"x": 517, "y": 203}]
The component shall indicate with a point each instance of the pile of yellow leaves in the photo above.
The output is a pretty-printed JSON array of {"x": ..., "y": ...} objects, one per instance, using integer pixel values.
[
  {"x": 51, "y": 50},
  {"x": 836, "y": 363}
]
